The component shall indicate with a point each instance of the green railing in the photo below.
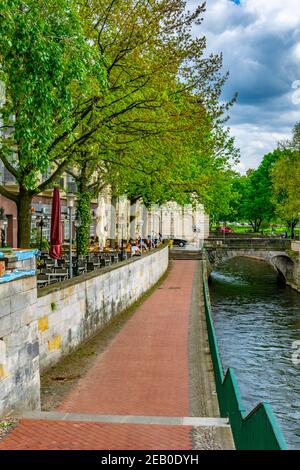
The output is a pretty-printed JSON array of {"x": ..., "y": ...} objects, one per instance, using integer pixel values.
[{"x": 256, "y": 431}]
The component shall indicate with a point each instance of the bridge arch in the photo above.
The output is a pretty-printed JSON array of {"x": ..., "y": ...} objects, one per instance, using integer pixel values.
[
  {"x": 284, "y": 265},
  {"x": 279, "y": 261}
]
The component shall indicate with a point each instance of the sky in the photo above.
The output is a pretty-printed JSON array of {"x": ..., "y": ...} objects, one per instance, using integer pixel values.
[{"x": 260, "y": 42}]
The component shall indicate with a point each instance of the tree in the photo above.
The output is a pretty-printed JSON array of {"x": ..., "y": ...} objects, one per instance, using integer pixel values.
[
  {"x": 154, "y": 66},
  {"x": 45, "y": 60},
  {"x": 286, "y": 187},
  {"x": 158, "y": 124},
  {"x": 256, "y": 203},
  {"x": 227, "y": 194}
]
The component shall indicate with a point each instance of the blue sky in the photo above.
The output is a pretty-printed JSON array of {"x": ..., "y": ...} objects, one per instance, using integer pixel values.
[{"x": 260, "y": 42}]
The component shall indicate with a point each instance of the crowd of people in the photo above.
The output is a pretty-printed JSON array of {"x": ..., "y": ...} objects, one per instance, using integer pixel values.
[{"x": 135, "y": 247}]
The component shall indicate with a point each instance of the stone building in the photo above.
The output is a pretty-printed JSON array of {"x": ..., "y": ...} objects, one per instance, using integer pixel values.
[{"x": 122, "y": 219}]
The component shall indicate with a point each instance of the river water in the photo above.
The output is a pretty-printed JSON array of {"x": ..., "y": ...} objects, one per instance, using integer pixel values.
[{"x": 257, "y": 319}]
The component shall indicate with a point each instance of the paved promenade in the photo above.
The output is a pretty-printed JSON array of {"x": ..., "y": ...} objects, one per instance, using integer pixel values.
[{"x": 141, "y": 393}]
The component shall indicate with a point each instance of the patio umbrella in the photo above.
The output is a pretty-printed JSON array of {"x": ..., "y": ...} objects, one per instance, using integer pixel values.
[
  {"x": 55, "y": 248},
  {"x": 100, "y": 221}
]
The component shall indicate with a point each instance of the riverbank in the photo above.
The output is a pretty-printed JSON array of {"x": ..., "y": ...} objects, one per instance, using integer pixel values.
[{"x": 257, "y": 320}]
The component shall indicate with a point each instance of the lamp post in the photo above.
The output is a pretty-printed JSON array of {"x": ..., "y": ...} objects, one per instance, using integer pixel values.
[
  {"x": 3, "y": 230},
  {"x": 70, "y": 204},
  {"x": 42, "y": 221},
  {"x": 77, "y": 224},
  {"x": 155, "y": 234}
]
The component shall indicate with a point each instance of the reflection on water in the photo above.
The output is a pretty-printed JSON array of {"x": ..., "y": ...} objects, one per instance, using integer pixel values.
[{"x": 257, "y": 319}]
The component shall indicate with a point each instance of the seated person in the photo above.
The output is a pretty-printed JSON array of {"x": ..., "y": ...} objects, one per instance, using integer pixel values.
[
  {"x": 128, "y": 247},
  {"x": 135, "y": 250},
  {"x": 144, "y": 245},
  {"x": 95, "y": 248},
  {"x": 107, "y": 247}
]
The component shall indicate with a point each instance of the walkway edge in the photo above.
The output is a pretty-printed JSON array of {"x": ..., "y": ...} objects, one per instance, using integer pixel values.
[{"x": 149, "y": 420}]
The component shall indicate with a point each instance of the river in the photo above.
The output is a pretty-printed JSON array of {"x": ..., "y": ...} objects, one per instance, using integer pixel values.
[{"x": 257, "y": 319}]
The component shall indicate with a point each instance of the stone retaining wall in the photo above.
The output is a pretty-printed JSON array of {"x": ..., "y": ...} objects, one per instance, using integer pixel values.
[{"x": 38, "y": 328}]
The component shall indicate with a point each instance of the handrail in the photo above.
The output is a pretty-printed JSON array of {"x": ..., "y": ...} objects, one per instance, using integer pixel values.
[{"x": 259, "y": 429}]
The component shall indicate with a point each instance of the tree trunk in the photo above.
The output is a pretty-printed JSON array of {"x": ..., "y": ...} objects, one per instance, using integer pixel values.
[
  {"x": 253, "y": 225},
  {"x": 84, "y": 209},
  {"x": 256, "y": 225},
  {"x": 24, "y": 218},
  {"x": 293, "y": 225}
]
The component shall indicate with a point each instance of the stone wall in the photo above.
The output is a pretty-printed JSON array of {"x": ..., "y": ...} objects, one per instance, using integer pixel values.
[
  {"x": 37, "y": 329},
  {"x": 69, "y": 315},
  {"x": 19, "y": 346}
]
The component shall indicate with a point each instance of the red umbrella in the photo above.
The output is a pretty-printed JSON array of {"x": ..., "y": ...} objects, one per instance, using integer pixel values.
[{"x": 55, "y": 248}]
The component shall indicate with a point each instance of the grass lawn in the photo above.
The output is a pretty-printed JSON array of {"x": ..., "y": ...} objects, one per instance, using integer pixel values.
[{"x": 277, "y": 230}]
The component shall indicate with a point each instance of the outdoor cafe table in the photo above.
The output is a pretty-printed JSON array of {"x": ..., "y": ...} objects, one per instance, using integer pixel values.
[{"x": 63, "y": 276}]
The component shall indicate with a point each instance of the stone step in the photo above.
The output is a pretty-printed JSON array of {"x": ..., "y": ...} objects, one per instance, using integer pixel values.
[
  {"x": 121, "y": 419},
  {"x": 184, "y": 254}
]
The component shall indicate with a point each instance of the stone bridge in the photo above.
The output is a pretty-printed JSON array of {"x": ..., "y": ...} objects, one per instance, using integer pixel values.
[{"x": 279, "y": 253}]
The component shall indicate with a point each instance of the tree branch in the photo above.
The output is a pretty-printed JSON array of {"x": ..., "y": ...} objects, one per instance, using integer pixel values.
[
  {"x": 51, "y": 180},
  {"x": 8, "y": 194},
  {"x": 8, "y": 165}
]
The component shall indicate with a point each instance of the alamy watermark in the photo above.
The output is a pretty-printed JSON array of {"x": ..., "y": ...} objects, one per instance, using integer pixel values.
[
  {"x": 296, "y": 93},
  {"x": 296, "y": 353}
]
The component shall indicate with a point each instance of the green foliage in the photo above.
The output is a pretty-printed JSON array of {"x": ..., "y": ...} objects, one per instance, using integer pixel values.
[
  {"x": 84, "y": 209},
  {"x": 253, "y": 194},
  {"x": 286, "y": 187},
  {"x": 46, "y": 64},
  {"x": 123, "y": 89},
  {"x": 286, "y": 181},
  {"x": 44, "y": 55},
  {"x": 157, "y": 128}
]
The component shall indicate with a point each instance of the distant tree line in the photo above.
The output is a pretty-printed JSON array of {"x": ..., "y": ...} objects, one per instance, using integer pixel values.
[{"x": 270, "y": 193}]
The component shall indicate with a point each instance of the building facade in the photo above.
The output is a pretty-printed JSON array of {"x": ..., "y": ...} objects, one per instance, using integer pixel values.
[{"x": 120, "y": 218}]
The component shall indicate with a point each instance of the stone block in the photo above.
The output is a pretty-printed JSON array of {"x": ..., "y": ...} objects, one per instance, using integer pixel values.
[
  {"x": 2, "y": 351},
  {"x": 28, "y": 315},
  {"x": 54, "y": 343},
  {"x": 4, "y": 306},
  {"x": 33, "y": 349},
  {"x": 6, "y": 392},
  {"x": 12, "y": 362},
  {"x": 43, "y": 324},
  {"x": 29, "y": 283},
  {"x": 5, "y": 290},
  {"x": 3, "y": 372},
  {"x": 16, "y": 321},
  {"x": 69, "y": 291},
  {"x": 23, "y": 300},
  {"x": 23, "y": 356},
  {"x": 18, "y": 339},
  {"x": 15, "y": 287},
  {"x": 5, "y": 325}
]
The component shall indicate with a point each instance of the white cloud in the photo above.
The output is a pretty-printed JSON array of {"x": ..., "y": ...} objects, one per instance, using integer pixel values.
[{"x": 260, "y": 41}]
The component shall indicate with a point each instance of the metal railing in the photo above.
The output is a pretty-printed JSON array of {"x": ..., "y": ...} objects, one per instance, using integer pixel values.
[{"x": 256, "y": 431}]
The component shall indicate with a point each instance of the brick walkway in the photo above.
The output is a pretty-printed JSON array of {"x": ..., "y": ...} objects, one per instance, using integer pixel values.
[
  {"x": 63, "y": 435},
  {"x": 143, "y": 372}
]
